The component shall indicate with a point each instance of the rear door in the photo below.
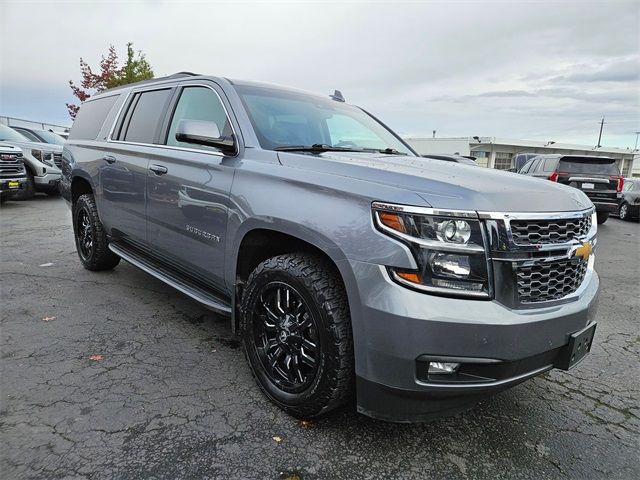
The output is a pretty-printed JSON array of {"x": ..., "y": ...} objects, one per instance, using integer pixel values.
[
  {"x": 188, "y": 189},
  {"x": 123, "y": 174},
  {"x": 597, "y": 177}
]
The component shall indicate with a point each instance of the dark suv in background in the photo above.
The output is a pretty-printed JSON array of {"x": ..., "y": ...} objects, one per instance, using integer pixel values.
[{"x": 598, "y": 177}]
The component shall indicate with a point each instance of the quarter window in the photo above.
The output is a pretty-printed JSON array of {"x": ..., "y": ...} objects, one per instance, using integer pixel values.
[
  {"x": 91, "y": 117},
  {"x": 549, "y": 165},
  {"x": 143, "y": 121},
  {"x": 198, "y": 103}
]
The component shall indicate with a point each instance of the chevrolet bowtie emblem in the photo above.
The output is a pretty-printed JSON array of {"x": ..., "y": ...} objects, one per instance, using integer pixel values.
[{"x": 583, "y": 251}]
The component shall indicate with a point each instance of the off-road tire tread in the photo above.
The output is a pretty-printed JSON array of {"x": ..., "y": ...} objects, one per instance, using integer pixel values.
[
  {"x": 102, "y": 258},
  {"x": 324, "y": 284}
]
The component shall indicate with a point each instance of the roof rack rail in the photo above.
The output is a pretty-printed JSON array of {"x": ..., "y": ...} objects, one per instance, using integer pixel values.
[{"x": 153, "y": 80}]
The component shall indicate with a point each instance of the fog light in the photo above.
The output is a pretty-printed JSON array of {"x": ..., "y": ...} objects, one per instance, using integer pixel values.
[{"x": 443, "y": 368}]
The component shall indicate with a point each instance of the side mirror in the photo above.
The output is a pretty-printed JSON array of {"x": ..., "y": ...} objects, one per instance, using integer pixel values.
[{"x": 201, "y": 132}]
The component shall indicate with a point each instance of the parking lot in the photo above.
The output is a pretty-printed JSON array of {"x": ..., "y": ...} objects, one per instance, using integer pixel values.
[{"x": 115, "y": 375}]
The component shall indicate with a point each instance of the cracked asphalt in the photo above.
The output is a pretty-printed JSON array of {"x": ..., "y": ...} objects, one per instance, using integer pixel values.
[{"x": 168, "y": 394}]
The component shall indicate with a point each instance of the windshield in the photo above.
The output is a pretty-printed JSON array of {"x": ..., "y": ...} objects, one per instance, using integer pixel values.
[
  {"x": 9, "y": 134},
  {"x": 589, "y": 165},
  {"x": 283, "y": 118},
  {"x": 50, "y": 137}
]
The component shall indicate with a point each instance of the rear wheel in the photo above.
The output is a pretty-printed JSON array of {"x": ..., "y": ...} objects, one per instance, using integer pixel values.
[
  {"x": 92, "y": 243},
  {"x": 624, "y": 211},
  {"x": 602, "y": 217},
  {"x": 296, "y": 334}
]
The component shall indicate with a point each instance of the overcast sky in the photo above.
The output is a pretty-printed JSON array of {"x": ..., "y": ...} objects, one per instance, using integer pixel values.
[{"x": 528, "y": 70}]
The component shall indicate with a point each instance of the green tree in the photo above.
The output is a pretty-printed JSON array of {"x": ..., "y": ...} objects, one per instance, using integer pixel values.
[{"x": 135, "y": 69}]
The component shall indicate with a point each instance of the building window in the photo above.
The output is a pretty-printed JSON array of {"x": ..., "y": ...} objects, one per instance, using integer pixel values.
[{"x": 503, "y": 161}]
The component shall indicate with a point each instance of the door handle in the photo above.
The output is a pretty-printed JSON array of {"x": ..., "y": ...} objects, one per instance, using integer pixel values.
[
  {"x": 109, "y": 158},
  {"x": 158, "y": 169}
]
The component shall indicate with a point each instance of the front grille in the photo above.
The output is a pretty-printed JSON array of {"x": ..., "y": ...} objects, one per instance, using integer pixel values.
[
  {"x": 57, "y": 159},
  {"x": 545, "y": 282},
  {"x": 532, "y": 232}
]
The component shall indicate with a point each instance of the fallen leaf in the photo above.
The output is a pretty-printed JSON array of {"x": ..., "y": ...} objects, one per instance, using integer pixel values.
[
  {"x": 307, "y": 423},
  {"x": 48, "y": 319},
  {"x": 277, "y": 439},
  {"x": 96, "y": 358},
  {"x": 49, "y": 264}
]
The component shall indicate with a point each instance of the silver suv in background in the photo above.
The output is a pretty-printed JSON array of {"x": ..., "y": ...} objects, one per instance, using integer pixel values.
[
  {"x": 13, "y": 176},
  {"x": 347, "y": 263},
  {"x": 42, "y": 161}
]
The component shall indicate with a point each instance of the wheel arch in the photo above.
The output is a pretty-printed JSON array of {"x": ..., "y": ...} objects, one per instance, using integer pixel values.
[
  {"x": 259, "y": 241},
  {"x": 80, "y": 185}
]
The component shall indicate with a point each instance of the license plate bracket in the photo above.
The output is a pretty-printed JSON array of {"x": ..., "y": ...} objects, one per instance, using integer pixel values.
[{"x": 578, "y": 347}]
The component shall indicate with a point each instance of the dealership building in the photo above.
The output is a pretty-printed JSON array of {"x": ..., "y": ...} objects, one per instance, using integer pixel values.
[{"x": 497, "y": 153}]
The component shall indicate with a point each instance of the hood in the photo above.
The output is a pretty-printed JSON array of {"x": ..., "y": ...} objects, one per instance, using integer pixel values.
[
  {"x": 27, "y": 146},
  {"x": 447, "y": 184},
  {"x": 6, "y": 148}
]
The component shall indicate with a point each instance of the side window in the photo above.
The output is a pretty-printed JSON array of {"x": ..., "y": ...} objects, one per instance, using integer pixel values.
[
  {"x": 142, "y": 122},
  {"x": 198, "y": 103},
  {"x": 28, "y": 134},
  {"x": 536, "y": 165},
  {"x": 628, "y": 186},
  {"x": 91, "y": 117},
  {"x": 549, "y": 165}
]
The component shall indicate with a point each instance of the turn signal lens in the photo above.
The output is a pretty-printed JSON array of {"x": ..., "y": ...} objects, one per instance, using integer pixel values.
[
  {"x": 392, "y": 220},
  {"x": 410, "y": 277}
]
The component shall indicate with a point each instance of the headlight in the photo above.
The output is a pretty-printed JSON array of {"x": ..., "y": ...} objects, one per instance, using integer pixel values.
[
  {"x": 44, "y": 157},
  {"x": 448, "y": 247}
]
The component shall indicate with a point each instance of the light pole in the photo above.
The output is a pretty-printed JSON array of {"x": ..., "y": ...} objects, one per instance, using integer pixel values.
[{"x": 635, "y": 149}]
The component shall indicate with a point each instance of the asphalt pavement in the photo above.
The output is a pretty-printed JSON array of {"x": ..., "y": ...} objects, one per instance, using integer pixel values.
[{"x": 115, "y": 375}]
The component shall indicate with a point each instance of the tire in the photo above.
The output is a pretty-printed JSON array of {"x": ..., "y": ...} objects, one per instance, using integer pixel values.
[
  {"x": 306, "y": 382},
  {"x": 92, "y": 243},
  {"x": 602, "y": 217},
  {"x": 29, "y": 190},
  {"x": 623, "y": 213}
]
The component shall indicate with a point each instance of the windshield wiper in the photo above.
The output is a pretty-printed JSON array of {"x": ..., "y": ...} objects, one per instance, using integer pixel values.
[
  {"x": 391, "y": 151},
  {"x": 317, "y": 147}
]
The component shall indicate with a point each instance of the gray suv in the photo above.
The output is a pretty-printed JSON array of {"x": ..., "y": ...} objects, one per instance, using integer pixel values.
[{"x": 348, "y": 265}]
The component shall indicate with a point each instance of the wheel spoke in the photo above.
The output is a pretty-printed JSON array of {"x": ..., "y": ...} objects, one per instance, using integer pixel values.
[{"x": 307, "y": 359}]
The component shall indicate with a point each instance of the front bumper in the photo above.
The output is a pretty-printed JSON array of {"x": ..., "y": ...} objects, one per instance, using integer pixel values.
[
  {"x": 12, "y": 186},
  {"x": 47, "y": 181},
  {"x": 400, "y": 328}
]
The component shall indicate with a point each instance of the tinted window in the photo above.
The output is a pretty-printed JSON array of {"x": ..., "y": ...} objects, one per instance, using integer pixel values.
[
  {"x": 198, "y": 103},
  {"x": 628, "y": 186},
  {"x": 50, "y": 137},
  {"x": 91, "y": 117},
  {"x": 549, "y": 165},
  {"x": 147, "y": 110},
  {"x": 589, "y": 165}
]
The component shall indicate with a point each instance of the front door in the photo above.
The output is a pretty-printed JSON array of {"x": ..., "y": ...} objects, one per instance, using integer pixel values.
[{"x": 188, "y": 191}]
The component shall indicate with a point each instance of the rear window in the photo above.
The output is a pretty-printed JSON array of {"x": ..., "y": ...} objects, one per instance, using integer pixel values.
[
  {"x": 147, "y": 110},
  {"x": 589, "y": 165},
  {"x": 91, "y": 117}
]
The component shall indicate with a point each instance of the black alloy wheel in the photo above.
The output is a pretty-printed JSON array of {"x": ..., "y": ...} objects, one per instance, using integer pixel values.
[
  {"x": 84, "y": 232},
  {"x": 285, "y": 336},
  {"x": 296, "y": 333}
]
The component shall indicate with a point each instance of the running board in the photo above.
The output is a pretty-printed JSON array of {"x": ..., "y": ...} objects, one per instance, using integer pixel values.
[{"x": 199, "y": 294}]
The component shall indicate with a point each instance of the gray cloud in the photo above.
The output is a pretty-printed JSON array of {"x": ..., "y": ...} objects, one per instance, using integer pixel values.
[{"x": 521, "y": 69}]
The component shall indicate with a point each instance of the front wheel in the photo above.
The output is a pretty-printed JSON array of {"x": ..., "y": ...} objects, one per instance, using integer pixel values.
[
  {"x": 296, "y": 333},
  {"x": 92, "y": 243},
  {"x": 602, "y": 217}
]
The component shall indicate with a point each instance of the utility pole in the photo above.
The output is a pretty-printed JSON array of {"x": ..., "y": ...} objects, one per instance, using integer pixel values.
[
  {"x": 600, "y": 136},
  {"x": 635, "y": 149}
]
